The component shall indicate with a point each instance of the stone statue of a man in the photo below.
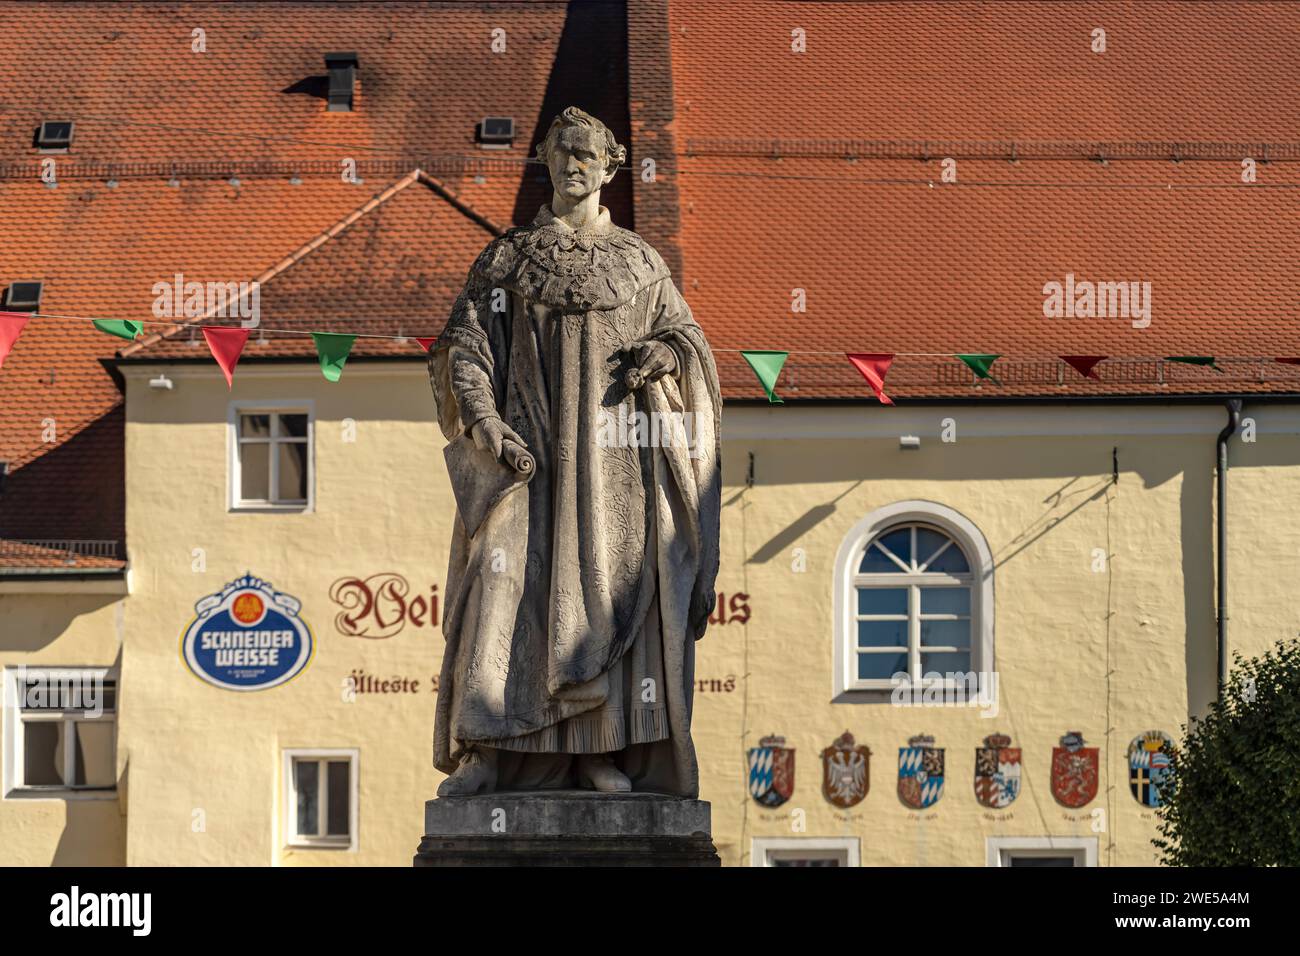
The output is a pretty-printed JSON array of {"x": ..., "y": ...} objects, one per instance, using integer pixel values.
[{"x": 581, "y": 404}]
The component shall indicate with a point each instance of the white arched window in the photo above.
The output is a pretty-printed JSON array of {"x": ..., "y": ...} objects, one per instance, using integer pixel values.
[{"x": 914, "y": 596}]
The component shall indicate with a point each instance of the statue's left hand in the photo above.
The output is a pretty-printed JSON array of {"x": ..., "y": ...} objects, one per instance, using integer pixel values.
[{"x": 654, "y": 360}]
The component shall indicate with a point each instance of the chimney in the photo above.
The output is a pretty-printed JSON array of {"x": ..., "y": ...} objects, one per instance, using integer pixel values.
[{"x": 342, "y": 69}]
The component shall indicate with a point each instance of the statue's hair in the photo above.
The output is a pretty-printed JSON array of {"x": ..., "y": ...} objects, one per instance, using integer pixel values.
[{"x": 615, "y": 153}]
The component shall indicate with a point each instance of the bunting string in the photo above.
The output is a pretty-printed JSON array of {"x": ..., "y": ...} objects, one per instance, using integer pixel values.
[{"x": 226, "y": 343}]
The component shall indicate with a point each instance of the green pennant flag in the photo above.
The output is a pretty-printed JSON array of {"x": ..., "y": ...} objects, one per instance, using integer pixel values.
[
  {"x": 767, "y": 366},
  {"x": 1206, "y": 360},
  {"x": 333, "y": 350},
  {"x": 123, "y": 328},
  {"x": 980, "y": 365}
]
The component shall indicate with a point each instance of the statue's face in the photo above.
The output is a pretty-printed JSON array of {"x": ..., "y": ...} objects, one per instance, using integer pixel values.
[{"x": 577, "y": 163}]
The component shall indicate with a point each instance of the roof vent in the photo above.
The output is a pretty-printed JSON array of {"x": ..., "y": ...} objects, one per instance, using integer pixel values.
[
  {"x": 496, "y": 132},
  {"x": 23, "y": 295},
  {"x": 55, "y": 134},
  {"x": 342, "y": 69}
]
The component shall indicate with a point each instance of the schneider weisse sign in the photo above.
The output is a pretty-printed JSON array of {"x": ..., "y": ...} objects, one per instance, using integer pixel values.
[{"x": 247, "y": 636}]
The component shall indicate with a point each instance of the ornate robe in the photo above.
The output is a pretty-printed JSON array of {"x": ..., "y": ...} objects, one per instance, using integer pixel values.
[{"x": 575, "y": 598}]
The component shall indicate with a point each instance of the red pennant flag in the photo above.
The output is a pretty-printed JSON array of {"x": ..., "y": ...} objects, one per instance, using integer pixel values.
[
  {"x": 426, "y": 343},
  {"x": 1083, "y": 364},
  {"x": 225, "y": 344},
  {"x": 11, "y": 326},
  {"x": 874, "y": 366}
]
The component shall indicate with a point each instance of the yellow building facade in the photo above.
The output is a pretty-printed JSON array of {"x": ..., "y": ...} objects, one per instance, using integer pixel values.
[{"x": 1091, "y": 526}]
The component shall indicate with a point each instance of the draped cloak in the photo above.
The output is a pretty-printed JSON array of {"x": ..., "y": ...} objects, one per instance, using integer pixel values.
[{"x": 573, "y": 604}]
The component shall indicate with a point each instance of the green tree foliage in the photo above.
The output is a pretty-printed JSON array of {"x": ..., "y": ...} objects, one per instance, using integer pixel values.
[{"x": 1235, "y": 797}]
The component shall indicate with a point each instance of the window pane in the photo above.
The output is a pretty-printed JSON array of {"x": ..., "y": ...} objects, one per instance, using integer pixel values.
[
  {"x": 952, "y": 663},
  {"x": 874, "y": 561},
  {"x": 95, "y": 763},
  {"x": 882, "y": 634},
  {"x": 255, "y": 472},
  {"x": 292, "y": 425},
  {"x": 945, "y": 601},
  {"x": 882, "y": 600},
  {"x": 307, "y": 784},
  {"x": 254, "y": 426},
  {"x": 945, "y": 633},
  {"x": 1042, "y": 861},
  {"x": 42, "y": 753},
  {"x": 293, "y": 471},
  {"x": 338, "y": 798},
  {"x": 803, "y": 861},
  {"x": 928, "y": 541},
  {"x": 881, "y": 666},
  {"x": 900, "y": 543},
  {"x": 951, "y": 561}
]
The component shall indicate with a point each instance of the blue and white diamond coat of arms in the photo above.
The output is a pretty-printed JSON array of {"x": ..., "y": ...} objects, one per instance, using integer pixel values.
[{"x": 920, "y": 773}]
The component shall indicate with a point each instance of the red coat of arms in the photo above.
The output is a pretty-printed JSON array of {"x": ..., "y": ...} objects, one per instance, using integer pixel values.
[
  {"x": 1074, "y": 771},
  {"x": 846, "y": 772}
]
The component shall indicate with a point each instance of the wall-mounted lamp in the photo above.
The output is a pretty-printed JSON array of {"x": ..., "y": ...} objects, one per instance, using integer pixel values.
[
  {"x": 162, "y": 381},
  {"x": 909, "y": 441}
]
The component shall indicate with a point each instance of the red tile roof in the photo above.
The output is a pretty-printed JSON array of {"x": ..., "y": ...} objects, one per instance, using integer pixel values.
[
  {"x": 220, "y": 164},
  {"x": 776, "y": 171},
  {"x": 808, "y": 171},
  {"x": 391, "y": 268},
  {"x": 58, "y": 557}
]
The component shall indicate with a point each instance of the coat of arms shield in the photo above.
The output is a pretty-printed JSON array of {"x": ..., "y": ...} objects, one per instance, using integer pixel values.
[
  {"x": 846, "y": 772},
  {"x": 997, "y": 772},
  {"x": 1150, "y": 766},
  {"x": 771, "y": 772},
  {"x": 920, "y": 773},
  {"x": 1074, "y": 771}
]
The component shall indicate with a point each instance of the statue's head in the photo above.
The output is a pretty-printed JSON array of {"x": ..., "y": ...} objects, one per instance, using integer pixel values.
[{"x": 581, "y": 154}]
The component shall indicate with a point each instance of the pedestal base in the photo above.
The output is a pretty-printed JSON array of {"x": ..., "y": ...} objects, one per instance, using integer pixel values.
[{"x": 567, "y": 828}]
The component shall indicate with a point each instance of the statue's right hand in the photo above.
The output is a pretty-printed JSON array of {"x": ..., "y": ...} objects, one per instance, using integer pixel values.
[{"x": 489, "y": 434}]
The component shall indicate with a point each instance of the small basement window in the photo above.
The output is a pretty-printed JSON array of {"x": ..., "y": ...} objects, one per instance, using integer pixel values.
[
  {"x": 24, "y": 296},
  {"x": 55, "y": 134}
]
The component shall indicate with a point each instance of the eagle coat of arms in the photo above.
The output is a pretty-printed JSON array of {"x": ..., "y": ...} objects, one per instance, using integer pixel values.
[{"x": 846, "y": 772}]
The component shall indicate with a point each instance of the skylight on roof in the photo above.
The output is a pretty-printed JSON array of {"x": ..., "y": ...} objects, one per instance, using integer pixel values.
[
  {"x": 496, "y": 132},
  {"x": 55, "y": 134},
  {"x": 25, "y": 296}
]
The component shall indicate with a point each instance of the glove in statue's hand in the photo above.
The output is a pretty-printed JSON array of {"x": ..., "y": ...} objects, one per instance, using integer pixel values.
[{"x": 654, "y": 359}]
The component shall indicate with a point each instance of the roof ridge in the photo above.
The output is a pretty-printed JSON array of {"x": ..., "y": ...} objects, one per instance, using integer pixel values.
[
  {"x": 443, "y": 190},
  {"x": 294, "y": 257}
]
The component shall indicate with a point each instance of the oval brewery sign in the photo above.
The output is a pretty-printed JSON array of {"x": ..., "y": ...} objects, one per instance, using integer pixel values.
[{"x": 248, "y": 636}]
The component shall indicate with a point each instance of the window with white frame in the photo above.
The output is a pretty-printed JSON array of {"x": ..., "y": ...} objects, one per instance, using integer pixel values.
[
  {"x": 1042, "y": 851},
  {"x": 805, "y": 851},
  {"x": 61, "y": 731},
  {"x": 913, "y": 605},
  {"x": 272, "y": 466},
  {"x": 914, "y": 596},
  {"x": 321, "y": 798}
]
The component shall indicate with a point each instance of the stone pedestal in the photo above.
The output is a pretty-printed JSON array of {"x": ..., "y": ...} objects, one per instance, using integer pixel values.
[{"x": 567, "y": 828}]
